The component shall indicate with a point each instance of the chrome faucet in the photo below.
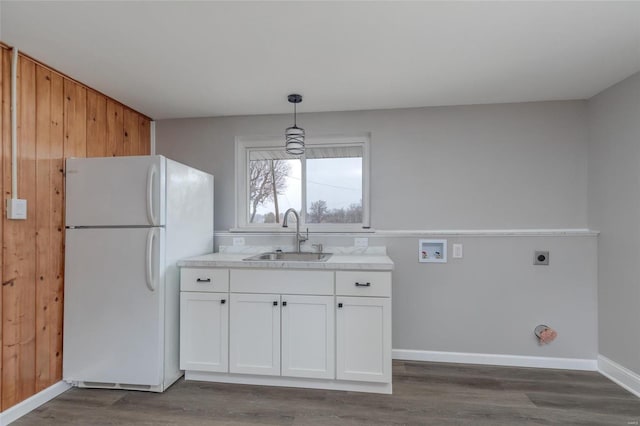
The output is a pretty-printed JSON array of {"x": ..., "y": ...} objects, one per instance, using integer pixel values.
[{"x": 285, "y": 224}]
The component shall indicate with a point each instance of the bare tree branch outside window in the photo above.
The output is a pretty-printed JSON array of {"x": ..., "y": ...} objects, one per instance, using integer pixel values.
[
  {"x": 320, "y": 213},
  {"x": 267, "y": 180}
]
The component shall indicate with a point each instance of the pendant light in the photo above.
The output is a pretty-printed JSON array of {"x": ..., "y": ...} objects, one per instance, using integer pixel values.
[{"x": 294, "y": 135}]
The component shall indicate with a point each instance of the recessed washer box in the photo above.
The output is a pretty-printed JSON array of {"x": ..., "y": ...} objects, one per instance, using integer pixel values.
[{"x": 432, "y": 251}]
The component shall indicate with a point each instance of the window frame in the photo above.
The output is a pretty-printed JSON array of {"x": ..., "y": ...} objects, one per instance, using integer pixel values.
[{"x": 243, "y": 145}]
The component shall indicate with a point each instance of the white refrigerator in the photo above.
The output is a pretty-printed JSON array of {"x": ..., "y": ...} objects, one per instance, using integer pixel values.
[{"x": 128, "y": 220}]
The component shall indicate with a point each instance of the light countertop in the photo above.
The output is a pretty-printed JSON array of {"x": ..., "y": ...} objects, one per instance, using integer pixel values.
[{"x": 338, "y": 261}]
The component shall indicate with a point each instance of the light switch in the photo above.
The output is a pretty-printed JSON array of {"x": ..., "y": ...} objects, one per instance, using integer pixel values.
[
  {"x": 457, "y": 251},
  {"x": 238, "y": 241},
  {"x": 16, "y": 209}
]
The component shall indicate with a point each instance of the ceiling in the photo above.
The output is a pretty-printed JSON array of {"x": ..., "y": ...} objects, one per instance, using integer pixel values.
[{"x": 193, "y": 59}]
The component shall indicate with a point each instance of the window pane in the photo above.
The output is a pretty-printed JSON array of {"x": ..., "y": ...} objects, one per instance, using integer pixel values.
[
  {"x": 274, "y": 185},
  {"x": 334, "y": 185}
]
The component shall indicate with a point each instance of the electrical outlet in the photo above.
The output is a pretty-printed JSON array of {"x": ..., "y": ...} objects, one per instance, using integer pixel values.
[
  {"x": 541, "y": 257},
  {"x": 361, "y": 242},
  {"x": 238, "y": 241},
  {"x": 457, "y": 251}
]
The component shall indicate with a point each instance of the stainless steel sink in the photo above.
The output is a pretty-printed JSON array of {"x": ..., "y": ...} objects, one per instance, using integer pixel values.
[{"x": 299, "y": 257}]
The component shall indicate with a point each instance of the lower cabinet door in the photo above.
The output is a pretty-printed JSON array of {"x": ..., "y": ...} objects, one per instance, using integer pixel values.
[
  {"x": 255, "y": 334},
  {"x": 308, "y": 338},
  {"x": 363, "y": 335},
  {"x": 204, "y": 328}
]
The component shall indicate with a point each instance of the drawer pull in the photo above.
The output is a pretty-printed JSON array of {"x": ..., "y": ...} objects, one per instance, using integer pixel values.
[
  {"x": 275, "y": 303},
  {"x": 339, "y": 305},
  {"x": 363, "y": 284},
  {"x": 284, "y": 303},
  {"x": 223, "y": 301},
  {"x": 203, "y": 280}
]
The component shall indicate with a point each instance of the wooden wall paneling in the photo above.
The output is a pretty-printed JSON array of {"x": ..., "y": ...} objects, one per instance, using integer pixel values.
[
  {"x": 18, "y": 351},
  {"x": 131, "y": 132},
  {"x": 57, "y": 118},
  {"x": 115, "y": 129},
  {"x": 96, "y": 124},
  {"x": 57, "y": 226},
  {"x": 43, "y": 225},
  {"x": 75, "y": 119},
  {"x": 144, "y": 125},
  {"x": 4, "y": 135},
  {"x": 8, "y": 381},
  {"x": 26, "y": 246}
]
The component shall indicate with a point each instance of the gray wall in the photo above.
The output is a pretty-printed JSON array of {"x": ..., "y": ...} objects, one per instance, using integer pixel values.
[
  {"x": 490, "y": 300},
  {"x": 614, "y": 210},
  {"x": 472, "y": 167}
]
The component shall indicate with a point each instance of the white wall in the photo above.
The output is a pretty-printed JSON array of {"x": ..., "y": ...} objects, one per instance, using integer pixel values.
[
  {"x": 473, "y": 167},
  {"x": 614, "y": 210}
]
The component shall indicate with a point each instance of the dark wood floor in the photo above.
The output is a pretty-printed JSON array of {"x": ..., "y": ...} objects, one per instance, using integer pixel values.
[{"x": 424, "y": 393}]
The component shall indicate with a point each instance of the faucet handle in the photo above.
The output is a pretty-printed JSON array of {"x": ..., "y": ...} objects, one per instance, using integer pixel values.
[{"x": 318, "y": 246}]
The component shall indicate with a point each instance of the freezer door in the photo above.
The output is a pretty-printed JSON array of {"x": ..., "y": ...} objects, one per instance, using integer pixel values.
[
  {"x": 113, "y": 316},
  {"x": 115, "y": 191}
]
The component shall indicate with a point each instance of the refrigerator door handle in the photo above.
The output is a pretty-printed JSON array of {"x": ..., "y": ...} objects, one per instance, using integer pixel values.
[
  {"x": 149, "y": 269},
  {"x": 150, "y": 180}
]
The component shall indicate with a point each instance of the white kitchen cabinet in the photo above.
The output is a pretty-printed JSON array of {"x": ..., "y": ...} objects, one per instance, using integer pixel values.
[
  {"x": 204, "y": 327},
  {"x": 308, "y": 336},
  {"x": 204, "y": 279},
  {"x": 363, "y": 339},
  {"x": 325, "y": 329},
  {"x": 254, "y": 346},
  {"x": 363, "y": 283},
  {"x": 288, "y": 335}
]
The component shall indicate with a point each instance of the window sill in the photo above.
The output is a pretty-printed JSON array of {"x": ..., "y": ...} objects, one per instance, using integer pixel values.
[{"x": 292, "y": 228}]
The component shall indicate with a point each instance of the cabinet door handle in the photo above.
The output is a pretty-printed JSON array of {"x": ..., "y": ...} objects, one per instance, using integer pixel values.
[
  {"x": 223, "y": 301},
  {"x": 363, "y": 284},
  {"x": 284, "y": 303},
  {"x": 203, "y": 280},
  {"x": 339, "y": 305},
  {"x": 275, "y": 303}
]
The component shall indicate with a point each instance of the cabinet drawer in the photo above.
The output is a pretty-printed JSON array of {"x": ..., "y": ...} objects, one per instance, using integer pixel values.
[
  {"x": 281, "y": 281},
  {"x": 204, "y": 280},
  {"x": 363, "y": 283}
]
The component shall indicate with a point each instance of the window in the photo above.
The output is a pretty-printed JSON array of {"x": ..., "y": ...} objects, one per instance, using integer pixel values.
[{"x": 327, "y": 186}]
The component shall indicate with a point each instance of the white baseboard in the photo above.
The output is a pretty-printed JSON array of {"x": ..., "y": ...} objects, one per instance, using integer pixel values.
[
  {"x": 497, "y": 359},
  {"x": 291, "y": 382},
  {"x": 619, "y": 375},
  {"x": 33, "y": 402}
]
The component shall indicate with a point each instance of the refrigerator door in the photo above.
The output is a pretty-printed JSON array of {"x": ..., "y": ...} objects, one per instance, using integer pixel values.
[
  {"x": 189, "y": 232},
  {"x": 113, "y": 310},
  {"x": 115, "y": 191}
]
